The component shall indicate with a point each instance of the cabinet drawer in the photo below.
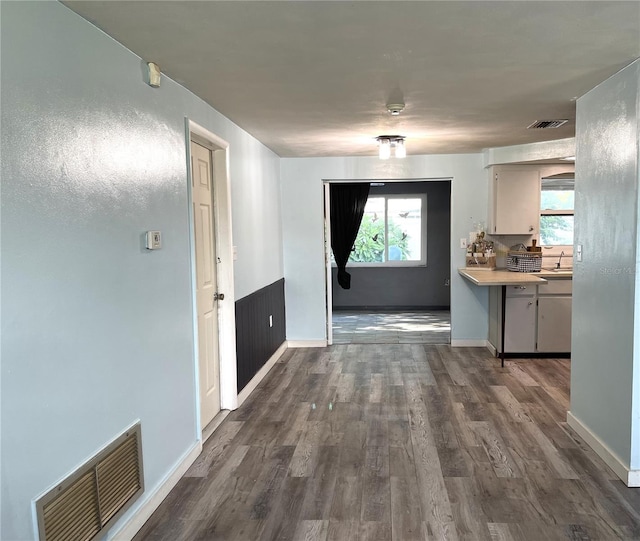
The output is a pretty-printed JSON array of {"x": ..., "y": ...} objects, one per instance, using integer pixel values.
[
  {"x": 556, "y": 287},
  {"x": 521, "y": 291}
]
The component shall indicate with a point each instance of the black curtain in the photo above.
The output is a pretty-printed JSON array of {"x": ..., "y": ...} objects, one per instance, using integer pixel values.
[{"x": 347, "y": 203}]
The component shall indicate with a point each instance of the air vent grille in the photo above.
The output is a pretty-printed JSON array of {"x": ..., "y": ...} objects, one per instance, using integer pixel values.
[
  {"x": 546, "y": 124},
  {"x": 80, "y": 507}
]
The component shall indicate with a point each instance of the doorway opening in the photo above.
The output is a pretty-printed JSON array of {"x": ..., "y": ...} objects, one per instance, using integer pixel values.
[
  {"x": 400, "y": 267},
  {"x": 213, "y": 295}
]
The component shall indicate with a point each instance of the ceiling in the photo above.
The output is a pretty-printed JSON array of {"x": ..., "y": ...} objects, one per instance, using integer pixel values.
[{"x": 312, "y": 78}]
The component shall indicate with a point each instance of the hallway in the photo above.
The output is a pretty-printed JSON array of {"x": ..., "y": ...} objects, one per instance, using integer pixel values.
[{"x": 399, "y": 442}]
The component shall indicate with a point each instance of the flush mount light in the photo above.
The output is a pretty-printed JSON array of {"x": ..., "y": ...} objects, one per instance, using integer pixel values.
[
  {"x": 395, "y": 108},
  {"x": 388, "y": 142}
]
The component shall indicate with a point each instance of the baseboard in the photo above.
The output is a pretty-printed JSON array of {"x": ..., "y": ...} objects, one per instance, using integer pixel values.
[
  {"x": 140, "y": 515},
  {"x": 492, "y": 349},
  {"x": 469, "y": 343},
  {"x": 260, "y": 374},
  {"x": 630, "y": 477},
  {"x": 307, "y": 343},
  {"x": 208, "y": 430}
]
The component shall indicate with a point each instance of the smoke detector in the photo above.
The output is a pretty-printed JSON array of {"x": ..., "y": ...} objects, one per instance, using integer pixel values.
[{"x": 395, "y": 108}]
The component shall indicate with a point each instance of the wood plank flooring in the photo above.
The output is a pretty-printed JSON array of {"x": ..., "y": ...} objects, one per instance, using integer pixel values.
[{"x": 400, "y": 442}]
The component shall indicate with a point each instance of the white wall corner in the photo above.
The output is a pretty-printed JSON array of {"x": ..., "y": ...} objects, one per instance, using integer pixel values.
[
  {"x": 630, "y": 477},
  {"x": 143, "y": 512}
]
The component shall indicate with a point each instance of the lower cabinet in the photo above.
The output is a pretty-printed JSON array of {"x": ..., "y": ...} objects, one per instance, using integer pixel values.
[
  {"x": 538, "y": 319},
  {"x": 520, "y": 324}
]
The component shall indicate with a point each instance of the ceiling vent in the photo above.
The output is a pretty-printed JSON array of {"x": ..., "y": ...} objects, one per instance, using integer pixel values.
[{"x": 545, "y": 124}]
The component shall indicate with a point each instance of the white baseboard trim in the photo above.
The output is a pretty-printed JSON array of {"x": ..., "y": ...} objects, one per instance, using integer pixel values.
[
  {"x": 255, "y": 380},
  {"x": 133, "y": 525},
  {"x": 208, "y": 430},
  {"x": 492, "y": 348},
  {"x": 469, "y": 343},
  {"x": 630, "y": 477},
  {"x": 307, "y": 343}
]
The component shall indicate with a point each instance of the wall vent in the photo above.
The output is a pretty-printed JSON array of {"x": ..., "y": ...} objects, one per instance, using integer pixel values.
[
  {"x": 81, "y": 506},
  {"x": 545, "y": 124}
]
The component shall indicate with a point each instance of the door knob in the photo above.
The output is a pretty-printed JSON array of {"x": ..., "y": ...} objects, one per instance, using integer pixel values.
[{"x": 218, "y": 296}]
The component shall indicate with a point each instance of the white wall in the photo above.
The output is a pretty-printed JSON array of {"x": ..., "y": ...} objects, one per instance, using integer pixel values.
[
  {"x": 302, "y": 216},
  {"x": 605, "y": 367},
  {"x": 96, "y": 331}
]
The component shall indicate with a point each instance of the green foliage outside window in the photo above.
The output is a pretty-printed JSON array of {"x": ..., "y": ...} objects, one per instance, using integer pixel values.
[{"x": 370, "y": 246}]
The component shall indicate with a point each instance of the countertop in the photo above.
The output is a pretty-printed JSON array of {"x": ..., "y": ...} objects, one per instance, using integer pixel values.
[{"x": 500, "y": 277}]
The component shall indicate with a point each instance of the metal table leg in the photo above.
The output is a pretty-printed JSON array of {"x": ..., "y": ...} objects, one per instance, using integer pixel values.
[{"x": 504, "y": 305}]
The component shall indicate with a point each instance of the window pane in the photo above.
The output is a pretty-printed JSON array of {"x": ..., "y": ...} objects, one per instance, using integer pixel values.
[
  {"x": 404, "y": 226},
  {"x": 556, "y": 230},
  {"x": 369, "y": 245},
  {"x": 556, "y": 199}
]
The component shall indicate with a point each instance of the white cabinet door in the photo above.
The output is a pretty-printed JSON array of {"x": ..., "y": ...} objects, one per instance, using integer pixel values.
[
  {"x": 554, "y": 324},
  {"x": 520, "y": 325},
  {"x": 516, "y": 202}
]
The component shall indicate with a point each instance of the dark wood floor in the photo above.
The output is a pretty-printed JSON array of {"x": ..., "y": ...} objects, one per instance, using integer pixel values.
[{"x": 400, "y": 442}]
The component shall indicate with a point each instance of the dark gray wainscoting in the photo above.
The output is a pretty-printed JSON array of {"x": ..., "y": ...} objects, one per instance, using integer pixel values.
[{"x": 256, "y": 341}]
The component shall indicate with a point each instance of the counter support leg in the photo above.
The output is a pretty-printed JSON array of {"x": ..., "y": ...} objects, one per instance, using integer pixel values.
[{"x": 504, "y": 305}]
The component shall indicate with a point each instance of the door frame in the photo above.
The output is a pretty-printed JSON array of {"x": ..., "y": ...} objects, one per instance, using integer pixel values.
[
  {"x": 224, "y": 250},
  {"x": 328, "y": 281}
]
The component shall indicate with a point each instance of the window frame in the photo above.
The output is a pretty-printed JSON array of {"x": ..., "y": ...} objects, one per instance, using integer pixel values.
[
  {"x": 422, "y": 262},
  {"x": 555, "y": 212}
]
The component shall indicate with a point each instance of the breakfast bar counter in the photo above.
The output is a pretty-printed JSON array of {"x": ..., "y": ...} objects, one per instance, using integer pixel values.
[{"x": 501, "y": 278}]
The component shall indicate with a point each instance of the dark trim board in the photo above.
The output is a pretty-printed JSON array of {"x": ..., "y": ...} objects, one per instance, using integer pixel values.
[
  {"x": 374, "y": 309},
  {"x": 537, "y": 355},
  {"x": 256, "y": 341}
]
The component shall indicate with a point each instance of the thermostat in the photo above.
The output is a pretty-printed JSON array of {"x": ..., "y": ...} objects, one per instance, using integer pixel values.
[{"x": 154, "y": 240}]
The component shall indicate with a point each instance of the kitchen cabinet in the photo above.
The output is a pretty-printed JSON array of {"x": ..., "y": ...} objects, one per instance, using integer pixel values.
[
  {"x": 537, "y": 318},
  {"x": 520, "y": 319},
  {"x": 514, "y": 201},
  {"x": 554, "y": 317}
]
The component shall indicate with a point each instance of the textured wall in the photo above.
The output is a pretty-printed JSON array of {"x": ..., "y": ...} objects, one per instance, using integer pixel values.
[
  {"x": 605, "y": 393},
  {"x": 304, "y": 237},
  {"x": 97, "y": 331}
]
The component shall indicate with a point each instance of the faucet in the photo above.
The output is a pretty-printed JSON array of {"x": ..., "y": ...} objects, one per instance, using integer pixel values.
[{"x": 559, "y": 259}]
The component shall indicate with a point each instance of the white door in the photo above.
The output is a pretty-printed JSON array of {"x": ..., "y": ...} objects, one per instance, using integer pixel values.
[{"x": 206, "y": 282}]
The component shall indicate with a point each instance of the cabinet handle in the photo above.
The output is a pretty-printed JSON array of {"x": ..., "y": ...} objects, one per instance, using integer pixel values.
[
  {"x": 530, "y": 303},
  {"x": 520, "y": 287},
  {"x": 531, "y": 228}
]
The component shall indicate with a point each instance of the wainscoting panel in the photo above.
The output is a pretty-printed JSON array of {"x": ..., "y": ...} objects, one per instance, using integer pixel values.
[{"x": 256, "y": 341}]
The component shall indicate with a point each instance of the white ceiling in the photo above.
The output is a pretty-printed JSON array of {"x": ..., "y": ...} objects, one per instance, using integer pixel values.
[{"x": 312, "y": 78}]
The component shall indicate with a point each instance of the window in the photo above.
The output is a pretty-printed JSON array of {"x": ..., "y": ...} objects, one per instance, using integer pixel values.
[
  {"x": 556, "y": 212},
  {"x": 392, "y": 232}
]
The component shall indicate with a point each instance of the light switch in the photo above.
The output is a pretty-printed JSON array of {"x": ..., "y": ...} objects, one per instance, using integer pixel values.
[
  {"x": 463, "y": 242},
  {"x": 578, "y": 252},
  {"x": 154, "y": 240}
]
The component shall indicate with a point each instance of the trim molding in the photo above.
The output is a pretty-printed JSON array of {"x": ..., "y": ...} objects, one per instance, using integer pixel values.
[
  {"x": 630, "y": 477},
  {"x": 255, "y": 380},
  {"x": 307, "y": 343},
  {"x": 469, "y": 343},
  {"x": 141, "y": 514},
  {"x": 492, "y": 348}
]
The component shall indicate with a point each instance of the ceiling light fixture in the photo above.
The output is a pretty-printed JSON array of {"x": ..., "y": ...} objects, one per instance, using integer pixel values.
[
  {"x": 388, "y": 142},
  {"x": 395, "y": 108}
]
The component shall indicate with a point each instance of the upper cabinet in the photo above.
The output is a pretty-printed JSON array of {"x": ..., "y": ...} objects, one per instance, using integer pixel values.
[{"x": 514, "y": 200}]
